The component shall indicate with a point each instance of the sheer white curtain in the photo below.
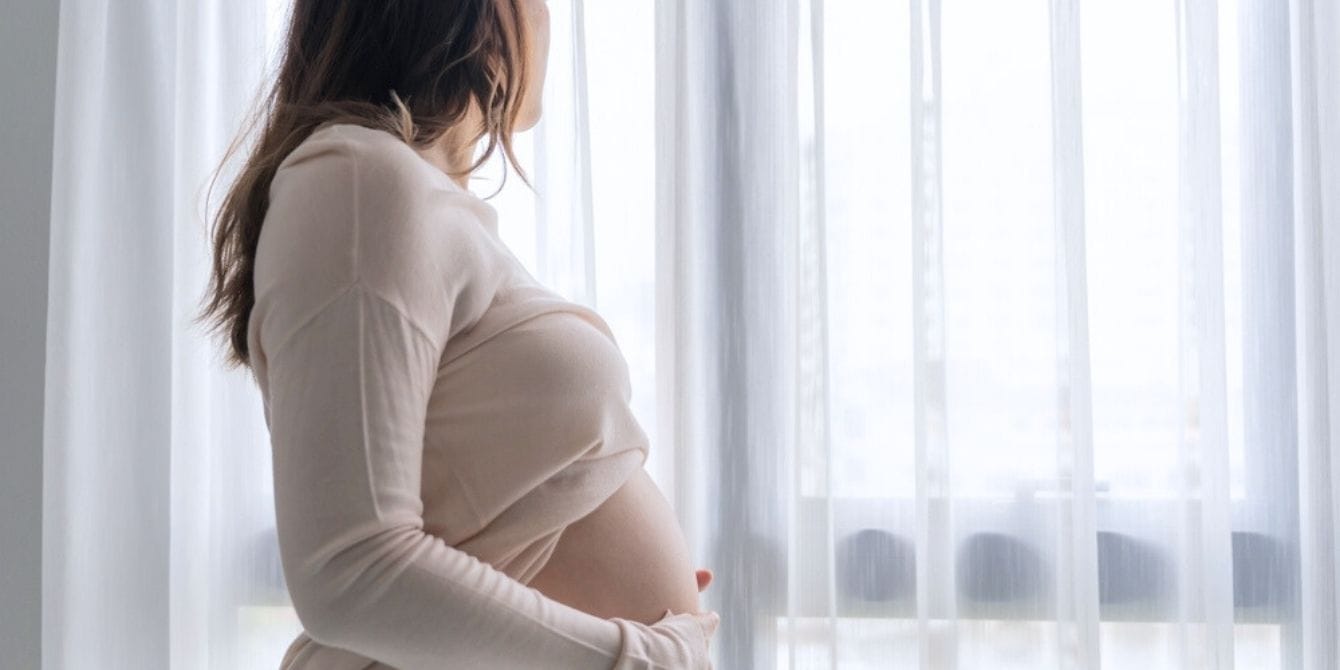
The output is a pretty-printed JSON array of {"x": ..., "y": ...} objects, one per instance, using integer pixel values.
[
  {"x": 970, "y": 334},
  {"x": 1003, "y": 335},
  {"x": 158, "y": 526}
]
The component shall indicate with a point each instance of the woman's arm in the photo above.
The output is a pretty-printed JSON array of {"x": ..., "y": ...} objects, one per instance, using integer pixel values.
[{"x": 358, "y": 287}]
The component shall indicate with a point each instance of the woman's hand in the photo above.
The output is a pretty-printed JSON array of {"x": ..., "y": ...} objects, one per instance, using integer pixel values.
[
  {"x": 679, "y": 641},
  {"x": 675, "y": 642}
]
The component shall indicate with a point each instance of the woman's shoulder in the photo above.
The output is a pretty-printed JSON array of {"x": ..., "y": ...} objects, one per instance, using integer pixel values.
[
  {"x": 373, "y": 157},
  {"x": 350, "y": 205},
  {"x": 366, "y": 140},
  {"x": 381, "y": 183}
]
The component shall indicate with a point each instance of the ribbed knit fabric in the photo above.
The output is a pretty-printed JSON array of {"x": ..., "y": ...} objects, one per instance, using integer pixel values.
[{"x": 437, "y": 417}]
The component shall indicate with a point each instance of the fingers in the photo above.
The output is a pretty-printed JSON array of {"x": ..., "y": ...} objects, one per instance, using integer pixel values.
[{"x": 710, "y": 621}]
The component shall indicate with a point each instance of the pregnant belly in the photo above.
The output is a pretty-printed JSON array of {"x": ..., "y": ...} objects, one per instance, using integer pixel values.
[{"x": 627, "y": 559}]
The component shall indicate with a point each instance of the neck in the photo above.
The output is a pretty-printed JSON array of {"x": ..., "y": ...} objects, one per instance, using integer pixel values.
[{"x": 454, "y": 151}]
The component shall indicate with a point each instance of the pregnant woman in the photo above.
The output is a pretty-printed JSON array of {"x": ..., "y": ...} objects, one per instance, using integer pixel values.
[{"x": 458, "y": 478}]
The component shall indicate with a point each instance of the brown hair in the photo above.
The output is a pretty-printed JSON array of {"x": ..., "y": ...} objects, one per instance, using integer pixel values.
[{"x": 410, "y": 67}]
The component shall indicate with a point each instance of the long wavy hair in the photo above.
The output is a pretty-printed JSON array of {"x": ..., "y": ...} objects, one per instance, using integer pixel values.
[{"x": 412, "y": 68}]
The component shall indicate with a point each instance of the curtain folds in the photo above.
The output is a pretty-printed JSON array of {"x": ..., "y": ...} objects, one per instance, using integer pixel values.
[
  {"x": 1058, "y": 390},
  {"x": 969, "y": 334},
  {"x": 158, "y": 521}
]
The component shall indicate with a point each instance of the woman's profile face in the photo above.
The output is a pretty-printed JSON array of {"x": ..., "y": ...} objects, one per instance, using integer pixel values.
[{"x": 535, "y": 14}]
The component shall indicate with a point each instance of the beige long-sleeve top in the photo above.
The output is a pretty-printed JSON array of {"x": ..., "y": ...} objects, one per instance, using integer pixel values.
[{"x": 437, "y": 418}]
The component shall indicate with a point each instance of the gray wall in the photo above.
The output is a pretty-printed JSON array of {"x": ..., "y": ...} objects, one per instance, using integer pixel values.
[{"x": 28, "y": 81}]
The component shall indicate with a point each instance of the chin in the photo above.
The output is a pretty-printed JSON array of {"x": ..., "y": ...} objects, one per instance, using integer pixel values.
[{"x": 528, "y": 120}]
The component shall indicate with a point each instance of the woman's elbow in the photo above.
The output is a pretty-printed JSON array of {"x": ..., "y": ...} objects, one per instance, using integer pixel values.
[
  {"x": 338, "y": 587},
  {"x": 324, "y": 615}
]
